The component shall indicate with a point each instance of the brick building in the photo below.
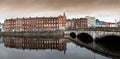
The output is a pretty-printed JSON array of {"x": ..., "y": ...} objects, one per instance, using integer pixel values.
[
  {"x": 35, "y": 24},
  {"x": 80, "y": 23}
]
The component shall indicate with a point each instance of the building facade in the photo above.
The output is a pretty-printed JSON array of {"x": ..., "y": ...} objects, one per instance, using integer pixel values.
[
  {"x": 35, "y": 24},
  {"x": 69, "y": 24},
  {"x": 80, "y": 23},
  {"x": 118, "y": 23},
  {"x": 91, "y": 21}
]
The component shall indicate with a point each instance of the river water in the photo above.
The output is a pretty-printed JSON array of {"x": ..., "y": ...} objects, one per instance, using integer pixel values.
[{"x": 44, "y": 48}]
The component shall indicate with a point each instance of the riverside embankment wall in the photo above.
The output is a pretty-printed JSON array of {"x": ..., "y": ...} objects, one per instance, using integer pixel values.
[{"x": 34, "y": 34}]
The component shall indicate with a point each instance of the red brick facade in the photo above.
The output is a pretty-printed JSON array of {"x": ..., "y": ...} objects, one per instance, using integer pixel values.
[
  {"x": 80, "y": 23},
  {"x": 35, "y": 24}
]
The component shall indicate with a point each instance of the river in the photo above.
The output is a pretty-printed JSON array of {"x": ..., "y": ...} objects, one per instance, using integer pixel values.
[{"x": 44, "y": 48}]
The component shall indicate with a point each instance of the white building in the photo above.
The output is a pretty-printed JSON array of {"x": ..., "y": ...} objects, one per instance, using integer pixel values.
[
  {"x": 113, "y": 25},
  {"x": 1, "y": 27},
  {"x": 91, "y": 21}
]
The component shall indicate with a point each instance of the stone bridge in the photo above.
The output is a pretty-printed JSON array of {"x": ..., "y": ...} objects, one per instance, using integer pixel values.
[{"x": 93, "y": 33}]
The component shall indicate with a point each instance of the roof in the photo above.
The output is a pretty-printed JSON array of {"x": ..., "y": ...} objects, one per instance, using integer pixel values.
[{"x": 33, "y": 18}]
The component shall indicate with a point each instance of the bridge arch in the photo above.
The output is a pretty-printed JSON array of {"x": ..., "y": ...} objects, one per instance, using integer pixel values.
[
  {"x": 110, "y": 42},
  {"x": 85, "y": 37},
  {"x": 73, "y": 34}
]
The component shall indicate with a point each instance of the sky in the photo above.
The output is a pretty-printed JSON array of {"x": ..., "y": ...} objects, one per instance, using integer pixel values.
[{"x": 104, "y": 10}]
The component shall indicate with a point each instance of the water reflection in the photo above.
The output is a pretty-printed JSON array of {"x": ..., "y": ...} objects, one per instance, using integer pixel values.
[
  {"x": 35, "y": 43},
  {"x": 100, "y": 49},
  {"x": 45, "y": 48},
  {"x": 1, "y": 39}
]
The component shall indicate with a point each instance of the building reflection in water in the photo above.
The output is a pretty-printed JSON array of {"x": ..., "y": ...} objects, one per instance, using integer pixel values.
[{"x": 35, "y": 43}]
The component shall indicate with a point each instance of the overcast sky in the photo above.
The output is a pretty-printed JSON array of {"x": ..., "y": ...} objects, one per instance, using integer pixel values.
[{"x": 105, "y": 10}]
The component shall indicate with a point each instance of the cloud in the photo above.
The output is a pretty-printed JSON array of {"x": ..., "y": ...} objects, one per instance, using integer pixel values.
[
  {"x": 16, "y": 8},
  {"x": 38, "y": 5}
]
